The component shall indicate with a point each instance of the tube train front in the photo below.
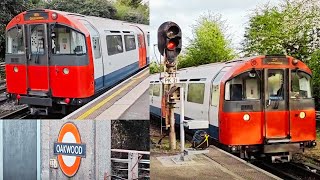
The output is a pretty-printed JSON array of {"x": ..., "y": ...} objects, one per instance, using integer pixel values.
[
  {"x": 57, "y": 60},
  {"x": 254, "y": 106}
]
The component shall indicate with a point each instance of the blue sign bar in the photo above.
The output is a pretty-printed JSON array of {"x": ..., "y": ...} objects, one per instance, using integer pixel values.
[{"x": 69, "y": 149}]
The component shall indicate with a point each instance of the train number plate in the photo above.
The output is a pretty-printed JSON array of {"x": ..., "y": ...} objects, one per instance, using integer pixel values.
[{"x": 170, "y": 80}]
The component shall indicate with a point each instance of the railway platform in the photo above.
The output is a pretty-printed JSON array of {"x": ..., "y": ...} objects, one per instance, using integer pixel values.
[
  {"x": 216, "y": 164},
  {"x": 127, "y": 100}
]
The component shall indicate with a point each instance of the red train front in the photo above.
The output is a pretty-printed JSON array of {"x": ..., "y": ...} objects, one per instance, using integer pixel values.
[
  {"x": 267, "y": 101},
  {"x": 58, "y": 60}
]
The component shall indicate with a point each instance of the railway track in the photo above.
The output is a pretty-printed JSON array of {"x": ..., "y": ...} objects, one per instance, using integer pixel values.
[
  {"x": 290, "y": 171},
  {"x": 20, "y": 113}
]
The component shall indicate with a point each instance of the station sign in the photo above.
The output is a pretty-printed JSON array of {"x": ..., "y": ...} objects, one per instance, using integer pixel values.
[
  {"x": 69, "y": 149},
  {"x": 170, "y": 80}
]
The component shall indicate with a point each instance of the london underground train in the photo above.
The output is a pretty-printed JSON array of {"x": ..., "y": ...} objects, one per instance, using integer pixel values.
[
  {"x": 255, "y": 106},
  {"x": 55, "y": 60}
]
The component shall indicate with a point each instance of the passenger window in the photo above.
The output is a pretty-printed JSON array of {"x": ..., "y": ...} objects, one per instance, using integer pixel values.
[
  {"x": 114, "y": 44},
  {"x": 156, "y": 89},
  {"x": 15, "y": 41},
  {"x": 130, "y": 42},
  {"x": 196, "y": 93},
  {"x": 243, "y": 87},
  {"x": 300, "y": 85},
  {"x": 96, "y": 47}
]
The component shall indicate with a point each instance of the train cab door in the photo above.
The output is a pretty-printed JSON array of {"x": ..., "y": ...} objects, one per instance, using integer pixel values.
[
  {"x": 214, "y": 103},
  {"x": 37, "y": 59},
  {"x": 97, "y": 55},
  {"x": 142, "y": 51},
  {"x": 276, "y": 106}
]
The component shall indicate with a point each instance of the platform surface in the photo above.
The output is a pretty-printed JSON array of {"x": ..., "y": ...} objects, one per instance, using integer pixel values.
[
  {"x": 214, "y": 165},
  {"x": 125, "y": 101}
]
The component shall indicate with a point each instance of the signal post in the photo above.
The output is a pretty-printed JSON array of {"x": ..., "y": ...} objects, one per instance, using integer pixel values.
[{"x": 169, "y": 45}]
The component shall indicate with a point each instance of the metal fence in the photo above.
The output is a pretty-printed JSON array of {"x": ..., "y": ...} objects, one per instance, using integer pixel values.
[
  {"x": 130, "y": 164},
  {"x": 2, "y": 71}
]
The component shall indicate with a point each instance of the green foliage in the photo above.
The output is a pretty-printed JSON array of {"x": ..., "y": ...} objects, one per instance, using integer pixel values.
[
  {"x": 132, "y": 11},
  {"x": 285, "y": 29},
  {"x": 314, "y": 65},
  {"x": 100, "y": 8},
  {"x": 154, "y": 67},
  {"x": 209, "y": 44},
  {"x": 9, "y": 9}
]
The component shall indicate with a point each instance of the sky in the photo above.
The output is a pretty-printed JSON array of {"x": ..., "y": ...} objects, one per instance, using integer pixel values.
[{"x": 236, "y": 13}]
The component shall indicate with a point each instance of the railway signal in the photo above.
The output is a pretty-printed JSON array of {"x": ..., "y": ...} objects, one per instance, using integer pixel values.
[
  {"x": 169, "y": 41},
  {"x": 169, "y": 45}
]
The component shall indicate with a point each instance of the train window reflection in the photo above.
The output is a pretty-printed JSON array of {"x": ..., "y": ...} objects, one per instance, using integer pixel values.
[
  {"x": 195, "y": 93},
  {"x": 275, "y": 84},
  {"x": 15, "y": 43},
  {"x": 243, "y": 87},
  {"x": 300, "y": 85},
  {"x": 67, "y": 41}
]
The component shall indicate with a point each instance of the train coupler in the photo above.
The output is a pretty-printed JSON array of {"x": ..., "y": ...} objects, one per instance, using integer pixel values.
[
  {"x": 281, "y": 158},
  {"x": 39, "y": 111}
]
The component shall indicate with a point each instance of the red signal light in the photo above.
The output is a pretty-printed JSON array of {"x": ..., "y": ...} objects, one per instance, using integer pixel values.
[
  {"x": 67, "y": 100},
  {"x": 171, "y": 45}
]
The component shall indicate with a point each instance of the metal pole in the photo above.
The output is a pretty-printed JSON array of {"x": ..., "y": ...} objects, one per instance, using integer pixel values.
[
  {"x": 181, "y": 122},
  {"x": 172, "y": 134}
]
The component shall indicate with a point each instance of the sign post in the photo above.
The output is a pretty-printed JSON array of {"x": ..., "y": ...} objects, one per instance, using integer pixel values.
[
  {"x": 69, "y": 149},
  {"x": 169, "y": 46}
]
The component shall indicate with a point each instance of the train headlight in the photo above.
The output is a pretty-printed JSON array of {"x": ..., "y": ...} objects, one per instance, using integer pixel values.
[
  {"x": 302, "y": 115},
  {"x": 54, "y": 16},
  {"x": 65, "y": 70},
  {"x": 295, "y": 61},
  {"x": 15, "y": 69},
  {"x": 246, "y": 117}
]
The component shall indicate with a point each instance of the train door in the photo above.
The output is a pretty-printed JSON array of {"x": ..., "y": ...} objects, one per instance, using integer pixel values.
[
  {"x": 142, "y": 50},
  {"x": 276, "y": 105},
  {"x": 97, "y": 57},
  {"x": 37, "y": 55}
]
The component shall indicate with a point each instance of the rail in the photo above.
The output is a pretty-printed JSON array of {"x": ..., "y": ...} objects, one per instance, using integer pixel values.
[{"x": 130, "y": 164}]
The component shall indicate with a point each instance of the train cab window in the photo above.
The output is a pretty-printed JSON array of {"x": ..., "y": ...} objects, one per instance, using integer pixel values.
[
  {"x": 37, "y": 39},
  {"x": 130, "y": 42},
  {"x": 15, "y": 41},
  {"x": 67, "y": 41},
  {"x": 196, "y": 92},
  {"x": 243, "y": 87},
  {"x": 300, "y": 85},
  {"x": 156, "y": 89},
  {"x": 275, "y": 84},
  {"x": 114, "y": 43}
]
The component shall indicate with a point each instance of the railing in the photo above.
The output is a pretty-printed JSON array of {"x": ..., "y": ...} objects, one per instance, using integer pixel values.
[{"x": 130, "y": 164}]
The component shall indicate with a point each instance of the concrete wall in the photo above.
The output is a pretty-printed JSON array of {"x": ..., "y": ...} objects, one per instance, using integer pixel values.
[
  {"x": 97, "y": 137},
  {"x": 19, "y": 149}
]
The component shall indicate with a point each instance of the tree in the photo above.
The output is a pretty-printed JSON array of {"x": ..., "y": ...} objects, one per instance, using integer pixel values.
[
  {"x": 9, "y": 9},
  {"x": 132, "y": 11},
  {"x": 155, "y": 67},
  {"x": 100, "y": 8},
  {"x": 290, "y": 29},
  {"x": 209, "y": 44},
  {"x": 314, "y": 65}
]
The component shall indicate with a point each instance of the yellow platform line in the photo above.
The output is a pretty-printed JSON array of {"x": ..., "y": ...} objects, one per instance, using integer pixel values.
[{"x": 100, "y": 104}]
